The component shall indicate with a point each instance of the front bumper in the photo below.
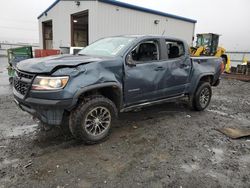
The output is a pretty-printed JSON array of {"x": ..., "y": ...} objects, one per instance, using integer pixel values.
[{"x": 48, "y": 111}]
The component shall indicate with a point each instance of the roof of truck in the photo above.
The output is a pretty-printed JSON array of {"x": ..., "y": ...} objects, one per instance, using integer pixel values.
[{"x": 149, "y": 37}]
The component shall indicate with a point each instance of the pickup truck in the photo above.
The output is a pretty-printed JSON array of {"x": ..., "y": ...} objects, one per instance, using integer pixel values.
[{"x": 113, "y": 75}]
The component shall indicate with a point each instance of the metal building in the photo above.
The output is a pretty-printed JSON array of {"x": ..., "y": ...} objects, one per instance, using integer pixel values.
[{"x": 69, "y": 23}]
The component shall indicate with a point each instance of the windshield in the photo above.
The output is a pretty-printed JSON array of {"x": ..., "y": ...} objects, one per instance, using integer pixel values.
[
  {"x": 107, "y": 47},
  {"x": 203, "y": 40}
]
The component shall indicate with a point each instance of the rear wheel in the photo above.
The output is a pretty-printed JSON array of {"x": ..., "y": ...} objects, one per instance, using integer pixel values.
[
  {"x": 202, "y": 96},
  {"x": 224, "y": 59},
  {"x": 11, "y": 80},
  {"x": 91, "y": 121}
]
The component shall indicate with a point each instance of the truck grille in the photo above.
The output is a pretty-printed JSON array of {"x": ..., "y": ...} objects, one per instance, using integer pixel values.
[
  {"x": 22, "y": 82},
  {"x": 24, "y": 75}
]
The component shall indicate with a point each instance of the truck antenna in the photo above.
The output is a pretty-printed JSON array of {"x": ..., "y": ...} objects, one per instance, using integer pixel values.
[{"x": 163, "y": 32}]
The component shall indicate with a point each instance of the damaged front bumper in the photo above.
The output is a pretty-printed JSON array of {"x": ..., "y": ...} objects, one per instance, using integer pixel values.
[{"x": 48, "y": 111}]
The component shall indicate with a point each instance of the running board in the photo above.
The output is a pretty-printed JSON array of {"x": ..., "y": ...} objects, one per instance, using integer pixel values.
[{"x": 126, "y": 109}]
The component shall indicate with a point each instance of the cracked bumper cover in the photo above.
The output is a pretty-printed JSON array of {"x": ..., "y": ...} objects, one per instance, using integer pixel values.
[{"x": 48, "y": 111}]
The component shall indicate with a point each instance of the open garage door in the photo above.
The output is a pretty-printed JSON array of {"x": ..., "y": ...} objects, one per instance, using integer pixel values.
[
  {"x": 79, "y": 29},
  {"x": 47, "y": 35}
]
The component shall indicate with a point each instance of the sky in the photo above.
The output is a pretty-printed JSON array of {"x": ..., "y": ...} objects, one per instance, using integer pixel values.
[{"x": 229, "y": 18}]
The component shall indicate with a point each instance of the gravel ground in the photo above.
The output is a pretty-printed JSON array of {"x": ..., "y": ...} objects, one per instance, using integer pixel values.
[{"x": 162, "y": 146}]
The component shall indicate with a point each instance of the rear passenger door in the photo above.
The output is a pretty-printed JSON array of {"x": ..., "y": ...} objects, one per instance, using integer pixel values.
[{"x": 177, "y": 68}]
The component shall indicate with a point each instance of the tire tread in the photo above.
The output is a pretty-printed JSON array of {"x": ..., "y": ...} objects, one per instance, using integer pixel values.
[
  {"x": 77, "y": 113},
  {"x": 194, "y": 102}
]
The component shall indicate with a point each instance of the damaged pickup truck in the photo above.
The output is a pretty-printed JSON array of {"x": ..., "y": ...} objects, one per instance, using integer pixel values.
[{"x": 113, "y": 75}]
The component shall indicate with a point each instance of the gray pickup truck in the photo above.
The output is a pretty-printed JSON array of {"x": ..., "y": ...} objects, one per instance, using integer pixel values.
[{"x": 112, "y": 75}]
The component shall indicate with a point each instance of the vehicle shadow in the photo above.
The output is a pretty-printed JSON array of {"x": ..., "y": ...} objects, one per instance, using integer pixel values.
[
  {"x": 156, "y": 111},
  {"x": 58, "y": 137}
]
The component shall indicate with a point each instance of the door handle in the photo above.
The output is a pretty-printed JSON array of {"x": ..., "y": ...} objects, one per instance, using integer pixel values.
[
  {"x": 159, "y": 68},
  {"x": 184, "y": 66}
]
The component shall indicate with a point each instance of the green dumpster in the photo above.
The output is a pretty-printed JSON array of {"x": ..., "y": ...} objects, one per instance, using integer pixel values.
[{"x": 16, "y": 55}]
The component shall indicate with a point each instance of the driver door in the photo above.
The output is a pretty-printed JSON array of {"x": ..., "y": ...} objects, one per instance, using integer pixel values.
[{"x": 144, "y": 73}]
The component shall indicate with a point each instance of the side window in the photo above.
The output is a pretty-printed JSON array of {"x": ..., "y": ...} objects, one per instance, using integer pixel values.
[
  {"x": 146, "y": 51},
  {"x": 175, "y": 49}
]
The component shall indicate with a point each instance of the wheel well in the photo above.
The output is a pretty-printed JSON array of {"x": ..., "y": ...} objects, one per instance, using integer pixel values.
[
  {"x": 224, "y": 58},
  {"x": 113, "y": 93},
  {"x": 207, "y": 78}
]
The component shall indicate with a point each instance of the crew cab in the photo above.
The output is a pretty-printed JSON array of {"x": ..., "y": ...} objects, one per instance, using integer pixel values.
[{"x": 113, "y": 75}]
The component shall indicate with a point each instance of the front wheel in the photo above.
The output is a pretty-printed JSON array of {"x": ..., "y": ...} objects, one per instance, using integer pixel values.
[
  {"x": 202, "y": 96},
  {"x": 91, "y": 121}
]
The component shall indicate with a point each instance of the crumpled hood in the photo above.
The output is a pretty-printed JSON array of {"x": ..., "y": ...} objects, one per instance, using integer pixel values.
[{"x": 51, "y": 63}]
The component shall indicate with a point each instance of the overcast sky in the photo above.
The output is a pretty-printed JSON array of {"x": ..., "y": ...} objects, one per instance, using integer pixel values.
[{"x": 230, "y": 18}]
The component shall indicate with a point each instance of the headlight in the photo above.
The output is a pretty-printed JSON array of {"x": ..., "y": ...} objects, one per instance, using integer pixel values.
[{"x": 49, "y": 83}]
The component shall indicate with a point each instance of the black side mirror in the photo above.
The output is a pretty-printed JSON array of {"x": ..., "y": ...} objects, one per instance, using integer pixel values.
[{"x": 130, "y": 61}]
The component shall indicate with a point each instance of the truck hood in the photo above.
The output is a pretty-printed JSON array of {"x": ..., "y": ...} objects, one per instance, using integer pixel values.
[{"x": 52, "y": 63}]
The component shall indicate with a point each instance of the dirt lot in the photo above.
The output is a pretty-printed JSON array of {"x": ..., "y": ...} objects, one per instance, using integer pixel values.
[{"x": 163, "y": 146}]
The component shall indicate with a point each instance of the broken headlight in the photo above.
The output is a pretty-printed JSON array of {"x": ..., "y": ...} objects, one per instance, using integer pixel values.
[{"x": 49, "y": 83}]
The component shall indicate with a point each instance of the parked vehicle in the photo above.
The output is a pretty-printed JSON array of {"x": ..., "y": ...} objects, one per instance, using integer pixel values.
[{"x": 113, "y": 75}]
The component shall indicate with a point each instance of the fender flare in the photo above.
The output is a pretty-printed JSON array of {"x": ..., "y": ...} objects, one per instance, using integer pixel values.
[
  {"x": 97, "y": 86},
  {"x": 197, "y": 81}
]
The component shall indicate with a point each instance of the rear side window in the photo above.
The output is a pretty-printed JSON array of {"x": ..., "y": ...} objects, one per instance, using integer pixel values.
[
  {"x": 175, "y": 49},
  {"x": 146, "y": 51}
]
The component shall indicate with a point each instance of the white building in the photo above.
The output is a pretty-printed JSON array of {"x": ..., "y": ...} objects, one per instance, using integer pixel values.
[{"x": 68, "y": 23}]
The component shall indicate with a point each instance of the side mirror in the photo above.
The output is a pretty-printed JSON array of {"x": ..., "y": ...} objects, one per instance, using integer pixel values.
[{"x": 130, "y": 61}]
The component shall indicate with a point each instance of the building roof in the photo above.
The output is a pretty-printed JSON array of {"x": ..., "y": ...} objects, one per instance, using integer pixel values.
[{"x": 129, "y": 6}]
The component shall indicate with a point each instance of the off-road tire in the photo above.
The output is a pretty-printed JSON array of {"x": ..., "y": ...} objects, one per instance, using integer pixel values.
[
  {"x": 78, "y": 115},
  {"x": 11, "y": 79},
  {"x": 196, "y": 99}
]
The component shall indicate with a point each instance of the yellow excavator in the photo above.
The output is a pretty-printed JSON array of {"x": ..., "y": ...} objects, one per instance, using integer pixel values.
[{"x": 207, "y": 44}]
